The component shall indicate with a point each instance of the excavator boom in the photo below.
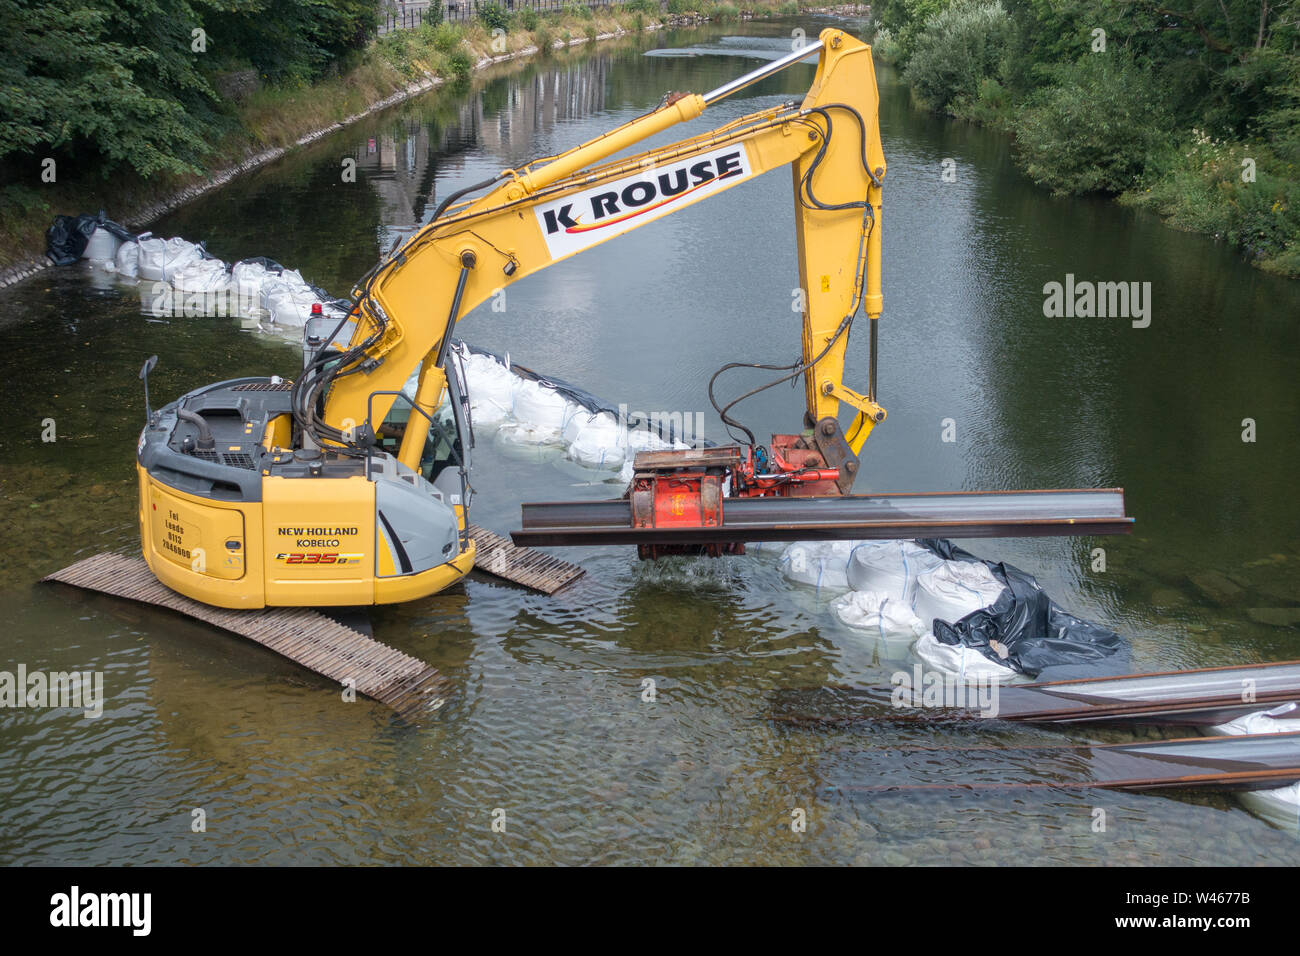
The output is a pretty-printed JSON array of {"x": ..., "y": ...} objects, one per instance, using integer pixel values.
[{"x": 540, "y": 214}]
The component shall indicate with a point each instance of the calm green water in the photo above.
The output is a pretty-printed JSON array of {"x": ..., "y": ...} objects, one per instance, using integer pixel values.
[{"x": 549, "y": 724}]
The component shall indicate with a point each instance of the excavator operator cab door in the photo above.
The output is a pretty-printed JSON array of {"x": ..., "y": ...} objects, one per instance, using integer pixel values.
[{"x": 446, "y": 460}]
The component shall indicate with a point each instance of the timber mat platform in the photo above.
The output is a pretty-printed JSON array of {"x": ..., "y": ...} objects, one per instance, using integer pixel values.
[
  {"x": 533, "y": 569},
  {"x": 409, "y": 686}
]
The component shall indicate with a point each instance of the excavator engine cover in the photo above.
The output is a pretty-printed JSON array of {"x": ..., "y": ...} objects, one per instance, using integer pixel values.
[{"x": 230, "y": 516}]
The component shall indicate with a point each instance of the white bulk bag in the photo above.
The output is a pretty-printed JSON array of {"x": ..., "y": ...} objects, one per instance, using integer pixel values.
[
  {"x": 289, "y": 280},
  {"x": 1262, "y": 722},
  {"x": 1279, "y": 805},
  {"x": 600, "y": 443},
  {"x": 890, "y": 567},
  {"x": 204, "y": 275},
  {"x": 288, "y": 298},
  {"x": 288, "y": 308},
  {"x": 821, "y": 564},
  {"x": 162, "y": 258},
  {"x": 526, "y": 443},
  {"x": 249, "y": 275},
  {"x": 578, "y": 417},
  {"x": 540, "y": 407},
  {"x": 953, "y": 590},
  {"x": 643, "y": 439},
  {"x": 491, "y": 389},
  {"x": 958, "y": 660},
  {"x": 102, "y": 244},
  {"x": 127, "y": 260},
  {"x": 246, "y": 280},
  {"x": 523, "y": 433},
  {"x": 883, "y": 616}
]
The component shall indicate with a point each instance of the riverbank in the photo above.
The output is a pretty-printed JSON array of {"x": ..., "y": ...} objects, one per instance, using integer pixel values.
[
  {"x": 397, "y": 66},
  {"x": 1103, "y": 106}
]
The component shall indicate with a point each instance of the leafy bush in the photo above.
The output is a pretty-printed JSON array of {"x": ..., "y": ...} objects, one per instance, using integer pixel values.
[
  {"x": 460, "y": 63},
  {"x": 959, "y": 48},
  {"x": 789, "y": 8},
  {"x": 907, "y": 19},
  {"x": 884, "y": 48},
  {"x": 1095, "y": 129},
  {"x": 1198, "y": 186},
  {"x": 446, "y": 37},
  {"x": 103, "y": 85},
  {"x": 580, "y": 10},
  {"x": 680, "y": 7},
  {"x": 992, "y": 105},
  {"x": 642, "y": 6},
  {"x": 527, "y": 19},
  {"x": 545, "y": 40},
  {"x": 493, "y": 16}
]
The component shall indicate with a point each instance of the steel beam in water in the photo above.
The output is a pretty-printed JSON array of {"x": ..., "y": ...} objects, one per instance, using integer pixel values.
[
  {"x": 1254, "y": 762},
  {"x": 1197, "y": 698},
  {"x": 958, "y": 514}
]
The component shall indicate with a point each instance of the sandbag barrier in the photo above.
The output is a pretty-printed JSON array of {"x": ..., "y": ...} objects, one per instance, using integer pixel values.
[
  {"x": 508, "y": 402},
  {"x": 959, "y": 614}
]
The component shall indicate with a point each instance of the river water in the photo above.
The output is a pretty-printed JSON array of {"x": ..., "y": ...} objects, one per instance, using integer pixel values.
[{"x": 549, "y": 724}]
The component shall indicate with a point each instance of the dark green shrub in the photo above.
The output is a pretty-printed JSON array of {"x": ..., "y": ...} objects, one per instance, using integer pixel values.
[
  {"x": 492, "y": 15},
  {"x": 959, "y": 48},
  {"x": 459, "y": 63},
  {"x": 1095, "y": 130}
]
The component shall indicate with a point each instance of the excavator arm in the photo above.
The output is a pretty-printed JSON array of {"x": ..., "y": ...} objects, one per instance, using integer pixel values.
[{"x": 532, "y": 217}]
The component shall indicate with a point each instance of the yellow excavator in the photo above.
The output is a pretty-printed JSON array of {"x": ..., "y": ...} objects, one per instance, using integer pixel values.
[{"x": 338, "y": 489}]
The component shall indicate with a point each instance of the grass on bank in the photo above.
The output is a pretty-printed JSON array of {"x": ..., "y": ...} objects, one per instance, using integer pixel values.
[{"x": 1100, "y": 122}]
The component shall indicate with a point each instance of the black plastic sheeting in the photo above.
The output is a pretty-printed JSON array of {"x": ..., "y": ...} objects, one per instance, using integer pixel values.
[
  {"x": 66, "y": 240},
  {"x": 1040, "y": 639}
]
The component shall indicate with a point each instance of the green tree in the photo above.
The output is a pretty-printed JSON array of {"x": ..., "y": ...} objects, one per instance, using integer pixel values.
[
  {"x": 1095, "y": 129},
  {"x": 961, "y": 46},
  {"x": 113, "y": 83}
]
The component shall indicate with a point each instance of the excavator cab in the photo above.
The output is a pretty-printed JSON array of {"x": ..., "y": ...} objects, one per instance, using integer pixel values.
[{"x": 238, "y": 510}]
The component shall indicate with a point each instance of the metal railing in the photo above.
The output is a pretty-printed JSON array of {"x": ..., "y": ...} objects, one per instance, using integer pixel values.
[{"x": 411, "y": 15}]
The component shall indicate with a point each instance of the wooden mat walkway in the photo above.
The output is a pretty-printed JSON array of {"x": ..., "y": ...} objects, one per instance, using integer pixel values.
[{"x": 308, "y": 637}]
